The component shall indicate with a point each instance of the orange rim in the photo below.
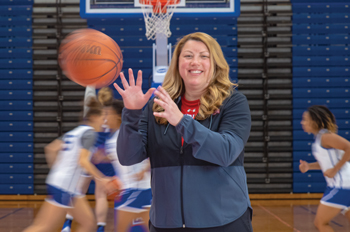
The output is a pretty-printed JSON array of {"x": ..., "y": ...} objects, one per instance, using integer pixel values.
[{"x": 162, "y": 2}]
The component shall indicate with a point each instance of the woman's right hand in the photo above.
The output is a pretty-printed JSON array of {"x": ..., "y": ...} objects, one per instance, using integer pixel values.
[
  {"x": 132, "y": 95},
  {"x": 304, "y": 166}
]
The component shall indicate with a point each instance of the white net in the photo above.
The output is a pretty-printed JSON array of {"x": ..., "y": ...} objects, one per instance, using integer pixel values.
[{"x": 157, "y": 17}]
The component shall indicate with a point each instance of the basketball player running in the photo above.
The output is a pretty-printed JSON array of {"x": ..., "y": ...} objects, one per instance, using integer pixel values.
[
  {"x": 69, "y": 156},
  {"x": 332, "y": 153},
  {"x": 103, "y": 164}
]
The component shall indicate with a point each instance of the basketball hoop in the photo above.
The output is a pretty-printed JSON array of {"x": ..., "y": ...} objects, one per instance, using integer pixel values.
[{"x": 157, "y": 14}]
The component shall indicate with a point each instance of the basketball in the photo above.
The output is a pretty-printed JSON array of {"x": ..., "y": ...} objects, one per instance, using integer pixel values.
[
  {"x": 113, "y": 188},
  {"x": 90, "y": 57}
]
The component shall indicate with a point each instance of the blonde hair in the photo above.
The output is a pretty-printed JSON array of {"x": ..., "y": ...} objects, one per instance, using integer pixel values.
[
  {"x": 219, "y": 88},
  {"x": 105, "y": 96}
]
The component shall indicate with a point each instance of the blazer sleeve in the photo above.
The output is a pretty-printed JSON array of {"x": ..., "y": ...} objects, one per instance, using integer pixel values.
[
  {"x": 132, "y": 139},
  {"x": 224, "y": 146}
]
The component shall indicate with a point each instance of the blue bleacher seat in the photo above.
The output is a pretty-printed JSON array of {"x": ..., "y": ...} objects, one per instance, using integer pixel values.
[
  {"x": 91, "y": 188},
  {"x": 320, "y": 29},
  {"x": 16, "y": 53},
  {"x": 305, "y": 82},
  {"x": 313, "y": 61},
  {"x": 311, "y": 187},
  {"x": 9, "y": 74},
  {"x": 140, "y": 53},
  {"x": 302, "y": 135},
  {"x": 320, "y": 39},
  {"x": 334, "y": 103},
  {"x": 16, "y": 115},
  {"x": 308, "y": 177},
  {"x": 16, "y": 105},
  {"x": 321, "y": 71},
  {"x": 16, "y": 136},
  {"x": 302, "y": 145},
  {"x": 16, "y": 178},
  {"x": 16, "y": 85},
  {"x": 16, "y": 189},
  {"x": 303, "y": 155},
  {"x": 16, "y": 126},
  {"x": 15, "y": 10},
  {"x": 15, "y": 31},
  {"x": 319, "y": 92},
  {"x": 321, "y": 50},
  {"x": 321, "y": 18},
  {"x": 331, "y": 7},
  {"x": 16, "y": 63},
  {"x": 16, "y": 95},
  {"x": 16, "y": 147},
  {"x": 16, "y": 21},
  {"x": 17, "y": 157},
  {"x": 17, "y": 2},
  {"x": 16, "y": 168},
  {"x": 16, "y": 42}
]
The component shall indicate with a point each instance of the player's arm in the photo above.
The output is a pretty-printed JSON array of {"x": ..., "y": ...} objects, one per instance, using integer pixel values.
[
  {"x": 90, "y": 92},
  {"x": 51, "y": 151},
  {"x": 84, "y": 161},
  {"x": 332, "y": 140},
  {"x": 305, "y": 166}
]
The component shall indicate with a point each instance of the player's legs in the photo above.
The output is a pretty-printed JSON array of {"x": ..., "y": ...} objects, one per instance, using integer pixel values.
[
  {"x": 49, "y": 218},
  {"x": 83, "y": 185},
  {"x": 323, "y": 216},
  {"x": 83, "y": 214},
  {"x": 134, "y": 210},
  {"x": 101, "y": 208}
]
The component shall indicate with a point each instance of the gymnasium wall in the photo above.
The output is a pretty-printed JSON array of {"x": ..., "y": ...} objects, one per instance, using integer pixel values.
[{"x": 285, "y": 56}]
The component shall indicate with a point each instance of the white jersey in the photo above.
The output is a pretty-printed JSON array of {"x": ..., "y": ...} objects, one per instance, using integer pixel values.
[
  {"x": 126, "y": 173},
  {"x": 328, "y": 158},
  {"x": 66, "y": 171}
]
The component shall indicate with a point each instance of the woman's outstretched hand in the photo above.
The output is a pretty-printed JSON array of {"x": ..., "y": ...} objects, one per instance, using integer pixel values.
[
  {"x": 133, "y": 97},
  {"x": 171, "y": 111}
]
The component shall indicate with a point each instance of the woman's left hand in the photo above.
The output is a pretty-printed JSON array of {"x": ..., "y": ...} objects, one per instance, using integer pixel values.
[
  {"x": 171, "y": 111},
  {"x": 330, "y": 172}
]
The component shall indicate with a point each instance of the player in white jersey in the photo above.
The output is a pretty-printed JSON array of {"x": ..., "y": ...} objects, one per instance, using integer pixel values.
[
  {"x": 105, "y": 97},
  {"x": 133, "y": 206},
  {"x": 332, "y": 153},
  {"x": 69, "y": 157}
]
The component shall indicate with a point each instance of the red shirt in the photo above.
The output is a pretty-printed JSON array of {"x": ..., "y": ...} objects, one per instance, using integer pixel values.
[{"x": 189, "y": 108}]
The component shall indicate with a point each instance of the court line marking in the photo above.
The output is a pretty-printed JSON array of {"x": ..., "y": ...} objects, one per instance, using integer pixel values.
[
  {"x": 312, "y": 212},
  {"x": 10, "y": 213},
  {"x": 279, "y": 219}
]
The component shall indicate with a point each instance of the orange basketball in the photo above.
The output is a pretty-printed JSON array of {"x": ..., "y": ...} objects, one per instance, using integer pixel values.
[
  {"x": 113, "y": 190},
  {"x": 90, "y": 57}
]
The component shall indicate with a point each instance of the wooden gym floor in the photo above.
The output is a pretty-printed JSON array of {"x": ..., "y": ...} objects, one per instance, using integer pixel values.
[{"x": 272, "y": 213}]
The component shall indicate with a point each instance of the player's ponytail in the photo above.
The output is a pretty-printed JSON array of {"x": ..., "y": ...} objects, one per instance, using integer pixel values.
[
  {"x": 94, "y": 108},
  {"x": 323, "y": 118},
  {"x": 105, "y": 96}
]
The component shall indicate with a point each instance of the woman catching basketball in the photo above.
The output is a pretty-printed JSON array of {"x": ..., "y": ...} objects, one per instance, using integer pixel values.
[
  {"x": 194, "y": 133},
  {"x": 332, "y": 153},
  {"x": 68, "y": 157}
]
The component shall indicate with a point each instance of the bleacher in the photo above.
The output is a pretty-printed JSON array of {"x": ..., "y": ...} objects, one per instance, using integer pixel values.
[
  {"x": 16, "y": 114},
  {"x": 321, "y": 64}
]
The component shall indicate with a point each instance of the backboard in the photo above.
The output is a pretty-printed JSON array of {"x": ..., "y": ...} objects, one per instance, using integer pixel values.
[{"x": 131, "y": 8}]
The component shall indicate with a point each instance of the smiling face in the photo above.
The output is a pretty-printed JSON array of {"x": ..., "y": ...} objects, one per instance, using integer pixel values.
[{"x": 195, "y": 65}]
